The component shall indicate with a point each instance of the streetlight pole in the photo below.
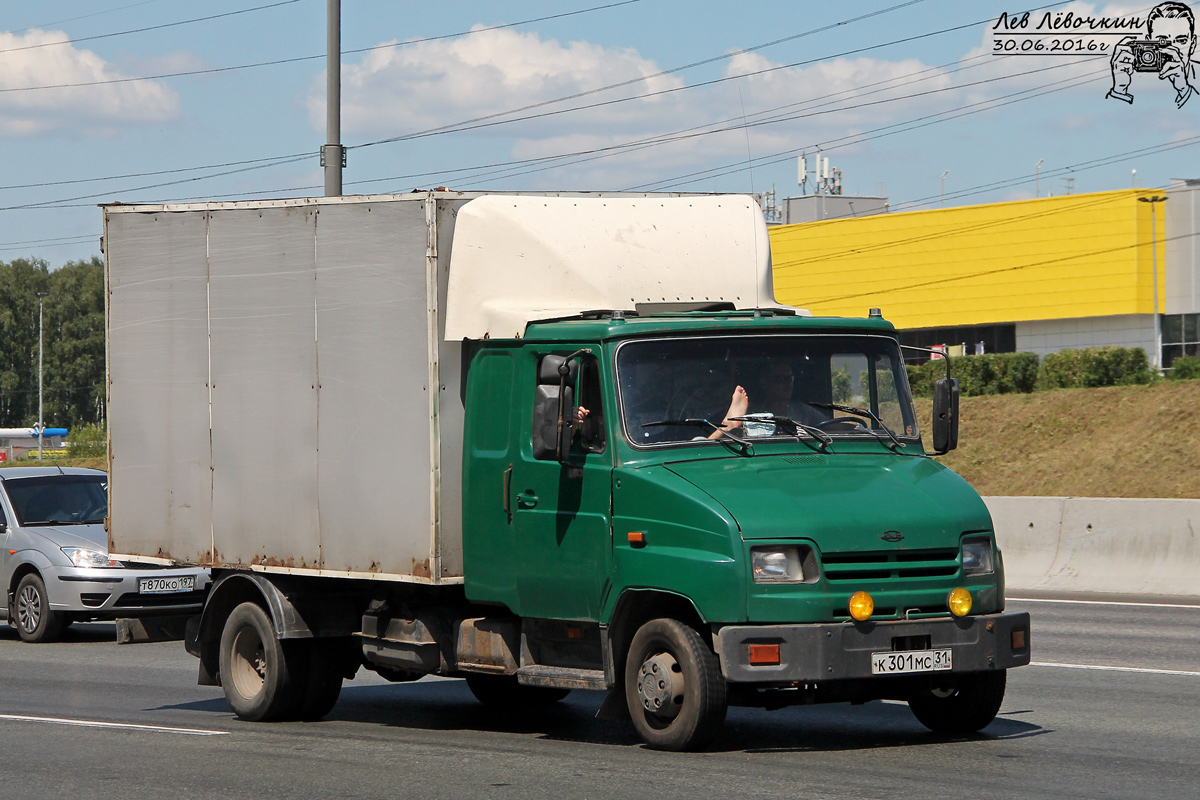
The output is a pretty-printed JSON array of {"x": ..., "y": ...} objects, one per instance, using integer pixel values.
[
  {"x": 1154, "y": 201},
  {"x": 41, "y": 296},
  {"x": 943, "y": 190},
  {"x": 1037, "y": 169}
]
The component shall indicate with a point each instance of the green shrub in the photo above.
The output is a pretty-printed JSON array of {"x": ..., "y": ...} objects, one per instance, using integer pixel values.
[
  {"x": 991, "y": 373},
  {"x": 1185, "y": 368},
  {"x": 1096, "y": 366},
  {"x": 87, "y": 441}
]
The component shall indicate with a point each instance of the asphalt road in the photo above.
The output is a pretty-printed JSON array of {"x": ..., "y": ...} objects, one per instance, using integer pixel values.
[{"x": 1108, "y": 710}]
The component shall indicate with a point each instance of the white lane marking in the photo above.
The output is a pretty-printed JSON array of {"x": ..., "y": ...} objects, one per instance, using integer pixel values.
[
  {"x": 1116, "y": 669},
  {"x": 87, "y": 723},
  {"x": 1104, "y": 603}
]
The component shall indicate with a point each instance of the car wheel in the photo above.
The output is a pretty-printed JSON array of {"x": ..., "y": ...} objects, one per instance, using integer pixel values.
[{"x": 31, "y": 613}]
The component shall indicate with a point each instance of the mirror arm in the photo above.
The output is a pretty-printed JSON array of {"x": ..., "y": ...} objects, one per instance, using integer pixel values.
[
  {"x": 564, "y": 369},
  {"x": 944, "y": 356}
]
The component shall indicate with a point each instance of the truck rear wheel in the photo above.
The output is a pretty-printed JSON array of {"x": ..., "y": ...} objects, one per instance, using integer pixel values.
[
  {"x": 503, "y": 691},
  {"x": 963, "y": 705},
  {"x": 674, "y": 687},
  {"x": 259, "y": 672}
]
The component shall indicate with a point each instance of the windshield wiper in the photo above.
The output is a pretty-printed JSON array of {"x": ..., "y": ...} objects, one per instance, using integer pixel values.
[
  {"x": 747, "y": 448},
  {"x": 776, "y": 419},
  {"x": 860, "y": 412}
]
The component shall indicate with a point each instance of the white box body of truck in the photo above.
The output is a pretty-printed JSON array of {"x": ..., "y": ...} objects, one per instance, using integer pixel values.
[{"x": 283, "y": 390}]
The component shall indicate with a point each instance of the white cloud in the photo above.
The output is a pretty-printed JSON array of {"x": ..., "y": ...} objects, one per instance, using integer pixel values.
[
  {"x": 407, "y": 88},
  {"x": 93, "y": 110}
]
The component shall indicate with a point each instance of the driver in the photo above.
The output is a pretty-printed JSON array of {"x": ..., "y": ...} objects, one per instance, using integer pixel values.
[{"x": 774, "y": 400}]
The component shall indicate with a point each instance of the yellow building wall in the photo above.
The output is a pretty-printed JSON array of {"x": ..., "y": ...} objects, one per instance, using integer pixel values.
[{"x": 1085, "y": 255}]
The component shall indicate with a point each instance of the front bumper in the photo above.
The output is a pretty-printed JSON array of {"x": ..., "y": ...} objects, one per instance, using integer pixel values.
[
  {"x": 112, "y": 592},
  {"x": 841, "y": 651}
]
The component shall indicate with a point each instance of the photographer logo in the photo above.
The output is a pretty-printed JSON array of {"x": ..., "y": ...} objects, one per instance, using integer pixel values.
[{"x": 1162, "y": 44}]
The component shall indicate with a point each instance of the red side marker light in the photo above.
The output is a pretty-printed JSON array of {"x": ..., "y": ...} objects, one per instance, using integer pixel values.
[
  {"x": 764, "y": 655},
  {"x": 1018, "y": 639}
]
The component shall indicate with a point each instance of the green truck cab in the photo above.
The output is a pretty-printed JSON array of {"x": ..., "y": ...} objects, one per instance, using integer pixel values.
[
  {"x": 771, "y": 565},
  {"x": 543, "y": 443}
]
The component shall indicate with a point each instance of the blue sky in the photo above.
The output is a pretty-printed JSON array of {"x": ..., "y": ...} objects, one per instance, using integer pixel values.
[{"x": 894, "y": 93}]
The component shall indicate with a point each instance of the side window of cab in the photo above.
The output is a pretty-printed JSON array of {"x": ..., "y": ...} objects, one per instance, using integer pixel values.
[{"x": 590, "y": 437}]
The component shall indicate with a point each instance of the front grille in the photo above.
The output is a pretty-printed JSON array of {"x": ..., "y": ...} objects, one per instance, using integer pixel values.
[
  {"x": 134, "y": 600},
  {"x": 93, "y": 599},
  {"x": 886, "y": 565}
]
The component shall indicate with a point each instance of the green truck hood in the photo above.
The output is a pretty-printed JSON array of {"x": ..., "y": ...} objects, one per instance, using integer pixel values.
[{"x": 843, "y": 502}]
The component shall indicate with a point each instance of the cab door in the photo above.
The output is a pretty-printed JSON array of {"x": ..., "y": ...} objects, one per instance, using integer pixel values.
[{"x": 561, "y": 525}]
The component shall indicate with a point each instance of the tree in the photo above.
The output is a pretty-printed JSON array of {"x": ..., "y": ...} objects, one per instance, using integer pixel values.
[{"x": 73, "y": 331}]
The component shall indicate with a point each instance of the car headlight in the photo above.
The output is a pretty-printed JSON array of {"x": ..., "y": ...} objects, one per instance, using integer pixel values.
[
  {"x": 776, "y": 565},
  {"x": 977, "y": 556},
  {"x": 83, "y": 557}
]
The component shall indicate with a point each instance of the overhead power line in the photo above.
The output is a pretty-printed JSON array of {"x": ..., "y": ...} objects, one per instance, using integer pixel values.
[
  {"x": 76, "y": 40},
  {"x": 322, "y": 56}
]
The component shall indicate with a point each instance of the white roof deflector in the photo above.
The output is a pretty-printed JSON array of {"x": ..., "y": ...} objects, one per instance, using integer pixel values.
[{"x": 516, "y": 259}]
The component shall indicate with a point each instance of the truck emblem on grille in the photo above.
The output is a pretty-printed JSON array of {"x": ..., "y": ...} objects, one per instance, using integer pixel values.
[{"x": 892, "y": 536}]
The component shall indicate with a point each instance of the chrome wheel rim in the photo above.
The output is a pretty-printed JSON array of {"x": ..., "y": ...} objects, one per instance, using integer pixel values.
[{"x": 29, "y": 608}]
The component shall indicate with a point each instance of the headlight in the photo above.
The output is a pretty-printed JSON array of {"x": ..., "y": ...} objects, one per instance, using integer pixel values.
[
  {"x": 82, "y": 557},
  {"x": 977, "y": 556},
  {"x": 776, "y": 565}
]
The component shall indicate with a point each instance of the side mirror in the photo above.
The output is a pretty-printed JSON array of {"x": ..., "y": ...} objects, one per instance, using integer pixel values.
[
  {"x": 554, "y": 408},
  {"x": 945, "y": 415}
]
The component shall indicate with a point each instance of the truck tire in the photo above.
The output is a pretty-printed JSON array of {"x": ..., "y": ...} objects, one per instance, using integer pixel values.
[
  {"x": 965, "y": 705},
  {"x": 259, "y": 672},
  {"x": 503, "y": 692},
  {"x": 322, "y": 680},
  {"x": 674, "y": 687},
  {"x": 31, "y": 614}
]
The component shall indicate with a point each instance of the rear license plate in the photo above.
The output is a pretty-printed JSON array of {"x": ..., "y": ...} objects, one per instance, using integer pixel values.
[
  {"x": 910, "y": 661},
  {"x": 178, "y": 583}
]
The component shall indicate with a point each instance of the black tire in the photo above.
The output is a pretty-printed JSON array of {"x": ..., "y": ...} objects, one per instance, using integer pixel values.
[
  {"x": 674, "y": 687},
  {"x": 31, "y": 614},
  {"x": 322, "y": 680},
  {"x": 963, "y": 705},
  {"x": 259, "y": 673},
  {"x": 504, "y": 693}
]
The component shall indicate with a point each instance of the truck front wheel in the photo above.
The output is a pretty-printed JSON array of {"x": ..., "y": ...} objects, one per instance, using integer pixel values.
[
  {"x": 674, "y": 687},
  {"x": 965, "y": 704},
  {"x": 258, "y": 672}
]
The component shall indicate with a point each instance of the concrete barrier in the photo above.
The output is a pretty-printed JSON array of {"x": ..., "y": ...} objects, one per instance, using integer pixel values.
[{"x": 1090, "y": 544}]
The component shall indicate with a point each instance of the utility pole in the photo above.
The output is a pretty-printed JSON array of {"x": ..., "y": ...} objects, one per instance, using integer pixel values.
[
  {"x": 41, "y": 296},
  {"x": 1154, "y": 201},
  {"x": 1037, "y": 171},
  {"x": 333, "y": 155},
  {"x": 942, "y": 191}
]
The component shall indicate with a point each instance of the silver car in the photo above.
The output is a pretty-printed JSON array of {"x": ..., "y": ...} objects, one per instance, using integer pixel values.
[{"x": 54, "y": 560}]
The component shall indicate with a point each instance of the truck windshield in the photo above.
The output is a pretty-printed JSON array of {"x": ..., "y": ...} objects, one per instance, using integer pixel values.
[
  {"x": 59, "y": 499},
  {"x": 815, "y": 380}
]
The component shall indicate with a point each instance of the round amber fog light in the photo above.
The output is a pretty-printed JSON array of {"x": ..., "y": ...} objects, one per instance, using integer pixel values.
[
  {"x": 959, "y": 601},
  {"x": 862, "y": 606}
]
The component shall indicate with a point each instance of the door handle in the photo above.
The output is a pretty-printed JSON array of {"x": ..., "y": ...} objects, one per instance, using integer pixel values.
[{"x": 527, "y": 499}]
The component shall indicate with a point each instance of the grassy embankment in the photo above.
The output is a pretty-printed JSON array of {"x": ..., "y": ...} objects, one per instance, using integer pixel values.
[{"x": 1121, "y": 441}]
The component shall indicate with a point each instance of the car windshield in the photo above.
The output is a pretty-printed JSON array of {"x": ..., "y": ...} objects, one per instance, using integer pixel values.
[
  {"x": 58, "y": 499},
  {"x": 666, "y": 385}
]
